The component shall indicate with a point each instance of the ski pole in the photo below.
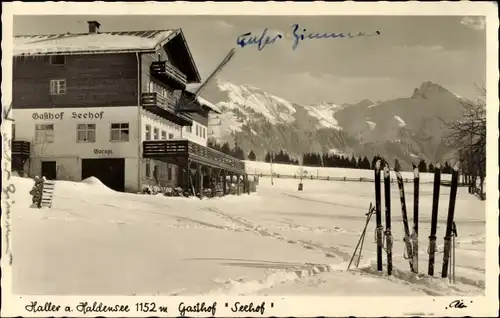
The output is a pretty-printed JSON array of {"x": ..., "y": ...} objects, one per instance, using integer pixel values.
[
  {"x": 370, "y": 211},
  {"x": 361, "y": 249},
  {"x": 369, "y": 215}
]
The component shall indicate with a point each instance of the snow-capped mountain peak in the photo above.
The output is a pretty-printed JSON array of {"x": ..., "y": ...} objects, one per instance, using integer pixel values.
[
  {"x": 260, "y": 121},
  {"x": 248, "y": 99}
]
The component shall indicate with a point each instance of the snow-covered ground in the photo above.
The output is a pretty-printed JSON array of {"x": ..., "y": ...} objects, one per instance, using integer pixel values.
[{"x": 273, "y": 242}]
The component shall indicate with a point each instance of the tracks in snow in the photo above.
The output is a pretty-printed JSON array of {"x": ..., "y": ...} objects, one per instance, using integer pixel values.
[{"x": 330, "y": 251}]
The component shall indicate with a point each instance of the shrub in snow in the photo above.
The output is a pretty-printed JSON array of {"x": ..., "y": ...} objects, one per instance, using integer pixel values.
[
  {"x": 146, "y": 189},
  {"x": 178, "y": 192},
  {"x": 207, "y": 192},
  {"x": 156, "y": 189}
]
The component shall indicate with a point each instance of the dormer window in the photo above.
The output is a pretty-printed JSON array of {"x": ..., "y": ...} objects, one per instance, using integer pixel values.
[{"x": 57, "y": 60}]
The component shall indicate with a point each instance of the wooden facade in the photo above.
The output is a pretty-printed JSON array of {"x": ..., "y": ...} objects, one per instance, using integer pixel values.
[{"x": 92, "y": 80}]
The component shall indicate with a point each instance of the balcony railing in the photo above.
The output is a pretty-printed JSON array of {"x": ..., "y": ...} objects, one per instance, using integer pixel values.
[
  {"x": 165, "y": 108},
  {"x": 187, "y": 148},
  {"x": 165, "y": 70},
  {"x": 21, "y": 148},
  {"x": 155, "y": 99}
]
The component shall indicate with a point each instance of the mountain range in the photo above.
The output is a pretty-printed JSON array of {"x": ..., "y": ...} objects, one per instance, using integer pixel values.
[{"x": 407, "y": 128}]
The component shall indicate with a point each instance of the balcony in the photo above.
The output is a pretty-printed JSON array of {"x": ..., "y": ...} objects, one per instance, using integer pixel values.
[
  {"x": 169, "y": 74},
  {"x": 182, "y": 150},
  {"x": 20, "y": 148},
  {"x": 165, "y": 108}
]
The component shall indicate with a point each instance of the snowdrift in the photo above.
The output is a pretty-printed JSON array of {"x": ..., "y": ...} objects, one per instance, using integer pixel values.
[{"x": 96, "y": 184}]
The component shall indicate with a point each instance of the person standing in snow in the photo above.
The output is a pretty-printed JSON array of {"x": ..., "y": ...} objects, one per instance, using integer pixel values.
[{"x": 36, "y": 192}]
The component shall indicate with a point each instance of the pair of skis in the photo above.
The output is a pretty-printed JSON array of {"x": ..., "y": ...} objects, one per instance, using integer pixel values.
[
  {"x": 380, "y": 233},
  {"x": 411, "y": 241},
  {"x": 450, "y": 227}
]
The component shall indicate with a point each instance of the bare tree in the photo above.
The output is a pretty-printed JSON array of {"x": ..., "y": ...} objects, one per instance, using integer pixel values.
[{"x": 467, "y": 136}]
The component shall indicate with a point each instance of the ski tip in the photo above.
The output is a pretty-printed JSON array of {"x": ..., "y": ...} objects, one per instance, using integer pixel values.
[
  {"x": 377, "y": 164},
  {"x": 415, "y": 172},
  {"x": 386, "y": 171}
]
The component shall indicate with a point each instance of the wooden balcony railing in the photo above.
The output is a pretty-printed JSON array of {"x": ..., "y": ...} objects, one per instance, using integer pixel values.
[
  {"x": 187, "y": 148},
  {"x": 165, "y": 69},
  {"x": 164, "y": 107},
  {"x": 20, "y": 147},
  {"x": 155, "y": 99}
]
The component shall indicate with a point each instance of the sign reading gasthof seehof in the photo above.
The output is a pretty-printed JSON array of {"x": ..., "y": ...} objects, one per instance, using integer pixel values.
[{"x": 73, "y": 115}]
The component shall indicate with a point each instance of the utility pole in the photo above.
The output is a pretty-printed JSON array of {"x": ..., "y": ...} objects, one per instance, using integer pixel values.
[{"x": 271, "y": 162}]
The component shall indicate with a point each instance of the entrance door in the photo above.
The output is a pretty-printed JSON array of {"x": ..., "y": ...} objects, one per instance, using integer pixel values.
[{"x": 49, "y": 170}]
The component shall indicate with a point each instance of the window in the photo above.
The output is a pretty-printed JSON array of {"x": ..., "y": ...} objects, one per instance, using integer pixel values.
[
  {"x": 197, "y": 133},
  {"x": 156, "y": 172},
  {"x": 148, "y": 169},
  {"x": 57, "y": 60},
  {"x": 189, "y": 129},
  {"x": 156, "y": 134},
  {"x": 44, "y": 132},
  {"x": 163, "y": 134},
  {"x": 13, "y": 131},
  {"x": 170, "y": 136},
  {"x": 169, "y": 171},
  {"x": 58, "y": 87},
  {"x": 85, "y": 132},
  {"x": 204, "y": 132},
  {"x": 119, "y": 132},
  {"x": 148, "y": 132}
]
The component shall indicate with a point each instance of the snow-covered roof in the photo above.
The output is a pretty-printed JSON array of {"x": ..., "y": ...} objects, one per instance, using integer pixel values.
[
  {"x": 86, "y": 43},
  {"x": 206, "y": 103},
  {"x": 190, "y": 91}
]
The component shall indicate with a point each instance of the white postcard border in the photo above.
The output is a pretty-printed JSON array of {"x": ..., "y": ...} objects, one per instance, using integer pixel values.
[{"x": 14, "y": 305}]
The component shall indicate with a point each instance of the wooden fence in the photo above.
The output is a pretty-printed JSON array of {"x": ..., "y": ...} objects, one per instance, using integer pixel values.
[{"x": 346, "y": 179}]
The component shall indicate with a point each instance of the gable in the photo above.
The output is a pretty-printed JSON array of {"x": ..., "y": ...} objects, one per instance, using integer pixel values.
[{"x": 180, "y": 56}]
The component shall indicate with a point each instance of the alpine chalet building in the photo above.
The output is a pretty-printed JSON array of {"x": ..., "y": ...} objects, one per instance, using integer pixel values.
[{"x": 113, "y": 105}]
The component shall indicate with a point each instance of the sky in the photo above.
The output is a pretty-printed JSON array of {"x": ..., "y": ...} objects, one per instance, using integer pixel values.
[{"x": 448, "y": 50}]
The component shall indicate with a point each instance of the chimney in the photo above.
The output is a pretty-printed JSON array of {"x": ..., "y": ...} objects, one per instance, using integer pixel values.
[{"x": 93, "y": 26}]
